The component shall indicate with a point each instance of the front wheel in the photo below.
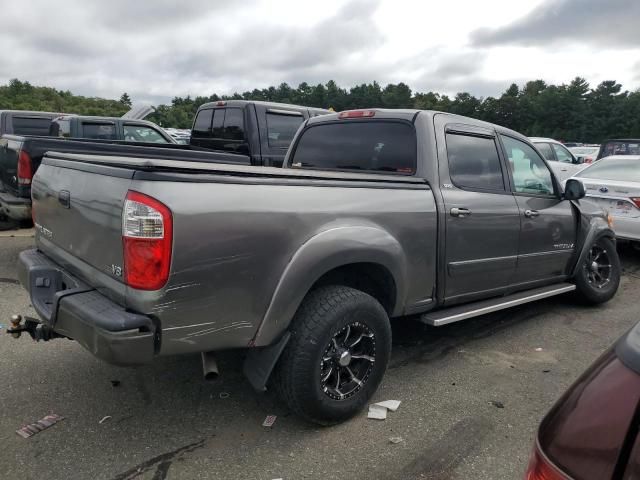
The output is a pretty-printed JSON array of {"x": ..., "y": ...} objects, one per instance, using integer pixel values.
[
  {"x": 598, "y": 277},
  {"x": 338, "y": 352}
]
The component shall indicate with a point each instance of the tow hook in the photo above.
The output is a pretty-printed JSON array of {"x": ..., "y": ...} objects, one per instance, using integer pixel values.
[{"x": 32, "y": 326}]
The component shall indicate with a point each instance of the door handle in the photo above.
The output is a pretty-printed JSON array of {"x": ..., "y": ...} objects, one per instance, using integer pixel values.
[
  {"x": 531, "y": 213},
  {"x": 460, "y": 212}
]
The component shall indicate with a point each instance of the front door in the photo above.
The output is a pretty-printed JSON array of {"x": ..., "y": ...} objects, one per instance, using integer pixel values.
[
  {"x": 481, "y": 215},
  {"x": 548, "y": 232}
]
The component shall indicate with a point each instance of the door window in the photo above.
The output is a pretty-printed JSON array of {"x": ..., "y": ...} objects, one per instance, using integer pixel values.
[
  {"x": 545, "y": 150},
  {"x": 99, "y": 131},
  {"x": 530, "y": 174},
  {"x": 281, "y": 129},
  {"x": 562, "y": 153},
  {"x": 140, "y": 133},
  {"x": 474, "y": 163}
]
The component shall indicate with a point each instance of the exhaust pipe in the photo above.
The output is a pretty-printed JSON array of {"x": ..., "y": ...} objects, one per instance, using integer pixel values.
[{"x": 209, "y": 366}]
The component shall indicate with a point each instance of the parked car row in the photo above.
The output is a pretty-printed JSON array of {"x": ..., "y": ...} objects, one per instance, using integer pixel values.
[
  {"x": 371, "y": 214},
  {"x": 240, "y": 132},
  {"x": 364, "y": 195}
]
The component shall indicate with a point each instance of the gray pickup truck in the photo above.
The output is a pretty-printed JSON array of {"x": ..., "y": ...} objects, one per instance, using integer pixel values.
[{"x": 376, "y": 214}]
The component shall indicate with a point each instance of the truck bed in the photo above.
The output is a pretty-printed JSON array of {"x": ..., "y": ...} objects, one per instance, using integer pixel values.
[
  {"x": 236, "y": 230},
  {"x": 37, "y": 146}
]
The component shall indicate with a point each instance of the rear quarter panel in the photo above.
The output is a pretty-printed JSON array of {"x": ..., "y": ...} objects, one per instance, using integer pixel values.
[{"x": 233, "y": 242}]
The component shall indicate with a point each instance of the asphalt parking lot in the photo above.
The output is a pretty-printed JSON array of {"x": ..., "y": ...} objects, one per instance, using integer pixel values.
[{"x": 166, "y": 422}]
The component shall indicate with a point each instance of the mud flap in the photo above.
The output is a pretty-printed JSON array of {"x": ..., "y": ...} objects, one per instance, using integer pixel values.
[{"x": 260, "y": 362}]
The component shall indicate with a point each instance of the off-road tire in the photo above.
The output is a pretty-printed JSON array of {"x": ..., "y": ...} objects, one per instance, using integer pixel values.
[
  {"x": 325, "y": 313},
  {"x": 589, "y": 292}
]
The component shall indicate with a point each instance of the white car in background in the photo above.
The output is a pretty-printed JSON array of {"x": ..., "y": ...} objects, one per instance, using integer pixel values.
[
  {"x": 587, "y": 153},
  {"x": 563, "y": 163},
  {"x": 614, "y": 184}
]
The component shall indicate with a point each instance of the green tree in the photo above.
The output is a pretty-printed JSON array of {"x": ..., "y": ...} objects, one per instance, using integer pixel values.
[{"x": 125, "y": 99}]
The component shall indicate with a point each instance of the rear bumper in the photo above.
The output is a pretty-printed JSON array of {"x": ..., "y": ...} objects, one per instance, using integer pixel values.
[
  {"x": 75, "y": 310},
  {"x": 16, "y": 208}
]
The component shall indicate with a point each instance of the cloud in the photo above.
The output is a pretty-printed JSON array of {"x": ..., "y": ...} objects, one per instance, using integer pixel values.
[
  {"x": 613, "y": 23},
  {"x": 156, "y": 50}
]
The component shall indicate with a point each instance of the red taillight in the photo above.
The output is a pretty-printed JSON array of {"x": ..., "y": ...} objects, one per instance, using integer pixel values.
[
  {"x": 147, "y": 231},
  {"x": 357, "y": 114},
  {"x": 588, "y": 160},
  {"x": 636, "y": 201},
  {"x": 25, "y": 172},
  {"x": 540, "y": 468}
]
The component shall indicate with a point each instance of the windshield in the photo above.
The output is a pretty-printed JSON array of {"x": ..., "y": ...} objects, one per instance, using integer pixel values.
[
  {"x": 584, "y": 150},
  {"x": 621, "y": 169},
  {"x": 622, "y": 147}
]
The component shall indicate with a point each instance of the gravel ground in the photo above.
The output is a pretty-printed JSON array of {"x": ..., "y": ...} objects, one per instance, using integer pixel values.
[{"x": 166, "y": 422}]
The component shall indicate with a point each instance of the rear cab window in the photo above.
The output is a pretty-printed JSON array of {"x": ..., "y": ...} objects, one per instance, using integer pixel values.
[
  {"x": 24, "y": 125},
  {"x": 384, "y": 146},
  {"x": 202, "y": 124}
]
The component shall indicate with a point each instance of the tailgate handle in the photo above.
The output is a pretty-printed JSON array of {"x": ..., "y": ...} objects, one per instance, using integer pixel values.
[{"x": 64, "y": 197}]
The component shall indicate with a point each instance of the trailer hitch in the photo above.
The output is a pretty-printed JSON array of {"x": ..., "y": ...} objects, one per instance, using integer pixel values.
[{"x": 33, "y": 327}]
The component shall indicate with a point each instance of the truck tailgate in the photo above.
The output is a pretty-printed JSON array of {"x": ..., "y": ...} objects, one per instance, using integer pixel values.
[{"x": 78, "y": 218}]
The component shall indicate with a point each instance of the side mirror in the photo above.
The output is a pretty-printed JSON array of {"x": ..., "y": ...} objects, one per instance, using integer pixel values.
[
  {"x": 579, "y": 160},
  {"x": 574, "y": 189}
]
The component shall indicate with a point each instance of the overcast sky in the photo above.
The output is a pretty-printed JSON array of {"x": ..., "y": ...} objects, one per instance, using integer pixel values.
[{"x": 158, "y": 49}]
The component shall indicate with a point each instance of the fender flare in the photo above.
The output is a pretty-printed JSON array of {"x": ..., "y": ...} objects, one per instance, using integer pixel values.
[
  {"x": 325, "y": 251},
  {"x": 597, "y": 227}
]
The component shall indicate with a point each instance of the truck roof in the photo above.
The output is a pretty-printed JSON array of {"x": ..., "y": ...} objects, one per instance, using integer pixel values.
[
  {"x": 101, "y": 118},
  {"x": 30, "y": 112},
  {"x": 232, "y": 103},
  {"x": 410, "y": 114}
]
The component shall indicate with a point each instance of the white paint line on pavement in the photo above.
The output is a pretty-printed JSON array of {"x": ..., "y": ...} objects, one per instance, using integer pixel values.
[{"x": 25, "y": 232}]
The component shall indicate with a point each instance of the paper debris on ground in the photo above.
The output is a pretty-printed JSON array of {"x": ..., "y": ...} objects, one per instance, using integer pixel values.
[
  {"x": 389, "y": 404},
  {"x": 396, "y": 440},
  {"x": 33, "y": 428},
  {"x": 269, "y": 421},
  {"x": 106, "y": 418},
  {"x": 539, "y": 349},
  {"x": 377, "y": 412}
]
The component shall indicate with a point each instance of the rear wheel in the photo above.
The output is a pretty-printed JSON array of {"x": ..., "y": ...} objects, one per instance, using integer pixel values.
[
  {"x": 337, "y": 355},
  {"x": 598, "y": 277}
]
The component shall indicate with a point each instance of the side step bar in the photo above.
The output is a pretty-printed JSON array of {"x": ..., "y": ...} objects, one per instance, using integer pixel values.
[{"x": 475, "y": 309}]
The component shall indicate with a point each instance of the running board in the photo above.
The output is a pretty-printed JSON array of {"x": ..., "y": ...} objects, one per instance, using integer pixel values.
[{"x": 462, "y": 312}]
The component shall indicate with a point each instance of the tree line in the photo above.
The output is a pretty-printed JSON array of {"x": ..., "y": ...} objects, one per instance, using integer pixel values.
[{"x": 574, "y": 111}]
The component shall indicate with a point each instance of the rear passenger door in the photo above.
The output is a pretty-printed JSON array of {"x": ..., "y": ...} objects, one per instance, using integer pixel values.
[
  {"x": 481, "y": 215},
  {"x": 548, "y": 232}
]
